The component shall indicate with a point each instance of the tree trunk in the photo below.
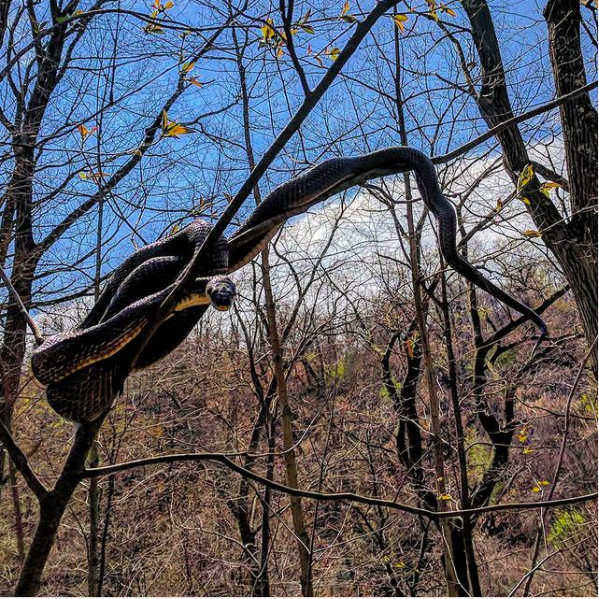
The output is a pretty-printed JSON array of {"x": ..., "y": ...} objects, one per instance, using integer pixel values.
[
  {"x": 52, "y": 508},
  {"x": 573, "y": 242},
  {"x": 579, "y": 121},
  {"x": 297, "y": 514}
]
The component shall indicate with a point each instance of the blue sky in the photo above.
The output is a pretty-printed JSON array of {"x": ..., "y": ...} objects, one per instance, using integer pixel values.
[{"x": 182, "y": 176}]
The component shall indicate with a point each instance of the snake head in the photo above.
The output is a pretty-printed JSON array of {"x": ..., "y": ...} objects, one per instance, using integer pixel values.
[{"x": 222, "y": 292}]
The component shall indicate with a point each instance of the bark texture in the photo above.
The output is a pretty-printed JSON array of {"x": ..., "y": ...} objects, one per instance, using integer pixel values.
[{"x": 571, "y": 238}]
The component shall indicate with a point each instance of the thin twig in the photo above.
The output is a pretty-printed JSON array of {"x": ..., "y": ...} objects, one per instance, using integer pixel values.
[{"x": 39, "y": 338}]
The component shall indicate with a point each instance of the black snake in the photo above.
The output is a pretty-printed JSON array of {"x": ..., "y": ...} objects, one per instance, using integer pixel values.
[{"x": 83, "y": 367}]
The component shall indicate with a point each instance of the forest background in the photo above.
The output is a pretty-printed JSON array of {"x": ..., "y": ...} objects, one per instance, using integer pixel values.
[{"x": 305, "y": 442}]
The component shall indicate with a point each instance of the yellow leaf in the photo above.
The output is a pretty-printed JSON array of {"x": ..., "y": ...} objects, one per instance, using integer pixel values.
[
  {"x": 525, "y": 176},
  {"x": 195, "y": 82},
  {"x": 303, "y": 23},
  {"x": 187, "y": 66},
  {"x": 268, "y": 30},
  {"x": 531, "y": 233},
  {"x": 83, "y": 131},
  {"x": 399, "y": 21},
  {"x": 174, "y": 229},
  {"x": 549, "y": 185},
  {"x": 544, "y": 483},
  {"x": 447, "y": 10},
  {"x": 168, "y": 5},
  {"x": 93, "y": 176},
  {"x": 153, "y": 29},
  {"x": 499, "y": 205},
  {"x": 527, "y": 450},
  {"x": 174, "y": 130},
  {"x": 445, "y": 497},
  {"x": 345, "y": 16},
  {"x": 280, "y": 52},
  {"x": 333, "y": 53},
  {"x": 433, "y": 9},
  {"x": 525, "y": 200},
  {"x": 536, "y": 490},
  {"x": 98, "y": 176}
]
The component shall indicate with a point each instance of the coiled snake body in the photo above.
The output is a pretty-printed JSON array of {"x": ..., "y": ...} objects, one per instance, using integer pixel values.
[{"x": 83, "y": 368}]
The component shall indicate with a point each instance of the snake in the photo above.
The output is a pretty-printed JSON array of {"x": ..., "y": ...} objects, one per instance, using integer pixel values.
[{"x": 83, "y": 368}]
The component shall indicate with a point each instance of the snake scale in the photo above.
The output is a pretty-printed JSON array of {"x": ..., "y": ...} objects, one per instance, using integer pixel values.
[{"x": 84, "y": 368}]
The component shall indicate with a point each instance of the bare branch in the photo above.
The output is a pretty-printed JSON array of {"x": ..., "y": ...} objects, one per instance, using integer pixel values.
[
  {"x": 224, "y": 459},
  {"x": 21, "y": 462},
  {"x": 511, "y": 122}
]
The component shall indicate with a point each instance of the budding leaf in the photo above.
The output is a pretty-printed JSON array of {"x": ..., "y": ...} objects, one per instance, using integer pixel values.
[
  {"x": 525, "y": 176},
  {"x": 171, "y": 128},
  {"x": 447, "y": 10},
  {"x": 531, "y": 233},
  {"x": 187, "y": 66},
  {"x": 268, "y": 31},
  {"x": 549, "y": 185},
  {"x": 399, "y": 21},
  {"x": 333, "y": 53}
]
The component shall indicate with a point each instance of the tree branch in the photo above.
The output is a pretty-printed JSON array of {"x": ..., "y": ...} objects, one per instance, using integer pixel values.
[
  {"x": 227, "y": 461},
  {"x": 21, "y": 462},
  {"x": 513, "y": 121},
  {"x": 39, "y": 338},
  {"x": 138, "y": 154}
]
